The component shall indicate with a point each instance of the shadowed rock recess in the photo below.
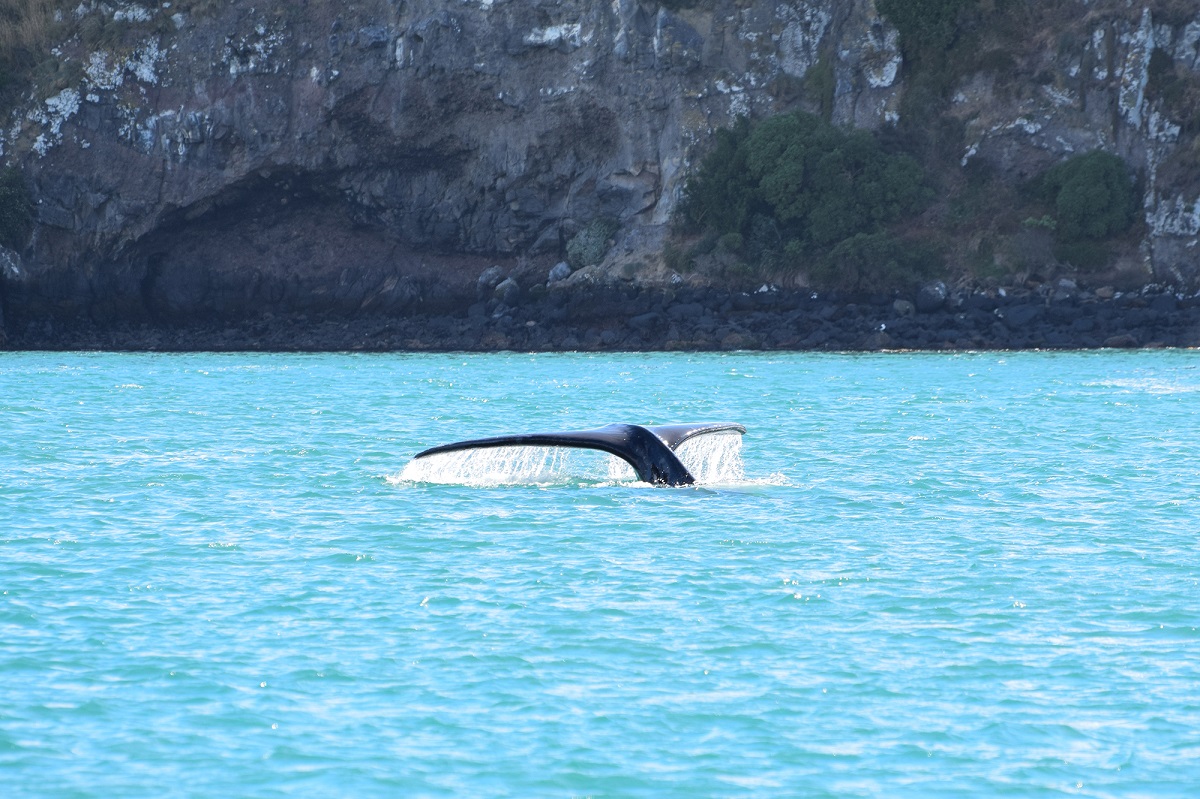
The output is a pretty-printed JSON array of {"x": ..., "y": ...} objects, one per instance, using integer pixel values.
[{"x": 487, "y": 175}]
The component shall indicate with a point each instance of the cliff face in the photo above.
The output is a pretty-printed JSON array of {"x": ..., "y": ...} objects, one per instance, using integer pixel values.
[{"x": 225, "y": 159}]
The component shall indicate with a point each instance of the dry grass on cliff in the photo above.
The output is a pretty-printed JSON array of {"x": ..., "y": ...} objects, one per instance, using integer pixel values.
[{"x": 25, "y": 27}]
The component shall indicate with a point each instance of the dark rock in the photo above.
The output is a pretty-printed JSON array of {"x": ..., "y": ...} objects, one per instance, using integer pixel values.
[
  {"x": 879, "y": 340},
  {"x": 979, "y": 302},
  {"x": 488, "y": 280},
  {"x": 1121, "y": 341},
  {"x": 561, "y": 271},
  {"x": 685, "y": 310},
  {"x": 743, "y": 302},
  {"x": 1066, "y": 290},
  {"x": 766, "y": 299},
  {"x": 508, "y": 292},
  {"x": 1164, "y": 303},
  {"x": 1059, "y": 339},
  {"x": 373, "y": 36},
  {"x": 1019, "y": 317},
  {"x": 931, "y": 297},
  {"x": 903, "y": 308},
  {"x": 1063, "y": 314},
  {"x": 646, "y": 321},
  {"x": 739, "y": 341},
  {"x": 817, "y": 338}
]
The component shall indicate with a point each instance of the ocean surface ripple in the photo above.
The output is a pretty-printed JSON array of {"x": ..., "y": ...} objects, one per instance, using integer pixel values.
[{"x": 933, "y": 575}]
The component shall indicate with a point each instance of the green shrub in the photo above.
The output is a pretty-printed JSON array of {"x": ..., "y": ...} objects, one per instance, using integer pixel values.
[
  {"x": 795, "y": 186},
  {"x": 1093, "y": 195},
  {"x": 1094, "y": 200},
  {"x": 926, "y": 26},
  {"x": 1083, "y": 253},
  {"x": 720, "y": 194},
  {"x": 730, "y": 242},
  {"x": 15, "y": 207},
  {"x": 875, "y": 262},
  {"x": 675, "y": 259},
  {"x": 589, "y": 246},
  {"x": 822, "y": 85}
]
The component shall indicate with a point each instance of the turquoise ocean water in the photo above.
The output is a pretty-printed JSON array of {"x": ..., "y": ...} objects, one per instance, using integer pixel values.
[{"x": 941, "y": 575}]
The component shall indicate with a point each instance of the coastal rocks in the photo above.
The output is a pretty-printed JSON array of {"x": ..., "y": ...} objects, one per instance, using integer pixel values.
[
  {"x": 624, "y": 317},
  {"x": 931, "y": 297}
]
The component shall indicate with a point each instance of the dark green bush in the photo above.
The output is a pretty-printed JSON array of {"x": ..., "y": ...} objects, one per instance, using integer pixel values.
[
  {"x": 731, "y": 242},
  {"x": 1093, "y": 195},
  {"x": 719, "y": 194},
  {"x": 1094, "y": 200},
  {"x": 875, "y": 262},
  {"x": 15, "y": 207},
  {"x": 1082, "y": 253},
  {"x": 675, "y": 259},
  {"x": 926, "y": 26},
  {"x": 795, "y": 186},
  {"x": 590, "y": 245}
]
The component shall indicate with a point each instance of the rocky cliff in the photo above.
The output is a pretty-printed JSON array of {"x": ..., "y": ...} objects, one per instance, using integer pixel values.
[{"x": 199, "y": 160}]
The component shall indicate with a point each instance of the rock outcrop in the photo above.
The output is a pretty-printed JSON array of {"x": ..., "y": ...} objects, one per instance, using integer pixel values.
[
  {"x": 223, "y": 160},
  {"x": 236, "y": 158}
]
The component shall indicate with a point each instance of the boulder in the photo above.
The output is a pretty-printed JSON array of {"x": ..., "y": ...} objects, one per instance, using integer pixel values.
[
  {"x": 646, "y": 321},
  {"x": 1121, "y": 341},
  {"x": 738, "y": 341},
  {"x": 508, "y": 292},
  {"x": 743, "y": 302},
  {"x": 560, "y": 272},
  {"x": 1019, "y": 317},
  {"x": 931, "y": 297},
  {"x": 1164, "y": 303},
  {"x": 878, "y": 340},
  {"x": 489, "y": 279},
  {"x": 903, "y": 308},
  {"x": 686, "y": 310}
]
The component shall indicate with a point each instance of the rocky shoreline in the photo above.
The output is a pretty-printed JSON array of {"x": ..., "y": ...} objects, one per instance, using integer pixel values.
[{"x": 615, "y": 318}]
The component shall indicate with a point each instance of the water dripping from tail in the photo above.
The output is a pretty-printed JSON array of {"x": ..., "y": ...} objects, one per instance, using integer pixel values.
[
  {"x": 502, "y": 466},
  {"x": 714, "y": 458}
]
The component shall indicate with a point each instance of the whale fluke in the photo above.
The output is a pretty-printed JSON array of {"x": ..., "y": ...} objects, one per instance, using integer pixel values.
[{"x": 650, "y": 450}]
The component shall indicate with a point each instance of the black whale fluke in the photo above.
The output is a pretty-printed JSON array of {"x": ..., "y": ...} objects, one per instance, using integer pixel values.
[{"x": 649, "y": 450}]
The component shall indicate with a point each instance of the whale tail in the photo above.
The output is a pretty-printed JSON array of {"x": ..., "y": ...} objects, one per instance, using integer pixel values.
[{"x": 650, "y": 450}]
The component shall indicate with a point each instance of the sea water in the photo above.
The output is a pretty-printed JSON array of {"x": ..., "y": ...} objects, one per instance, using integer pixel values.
[{"x": 920, "y": 575}]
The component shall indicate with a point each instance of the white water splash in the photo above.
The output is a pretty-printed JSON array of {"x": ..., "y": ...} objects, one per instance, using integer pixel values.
[
  {"x": 496, "y": 466},
  {"x": 712, "y": 459}
]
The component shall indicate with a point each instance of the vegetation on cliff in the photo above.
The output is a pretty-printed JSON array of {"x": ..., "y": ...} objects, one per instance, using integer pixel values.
[
  {"x": 797, "y": 195},
  {"x": 15, "y": 218},
  {"x": 760, "y": 206},
  {"x": 795, "y": 190}
]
